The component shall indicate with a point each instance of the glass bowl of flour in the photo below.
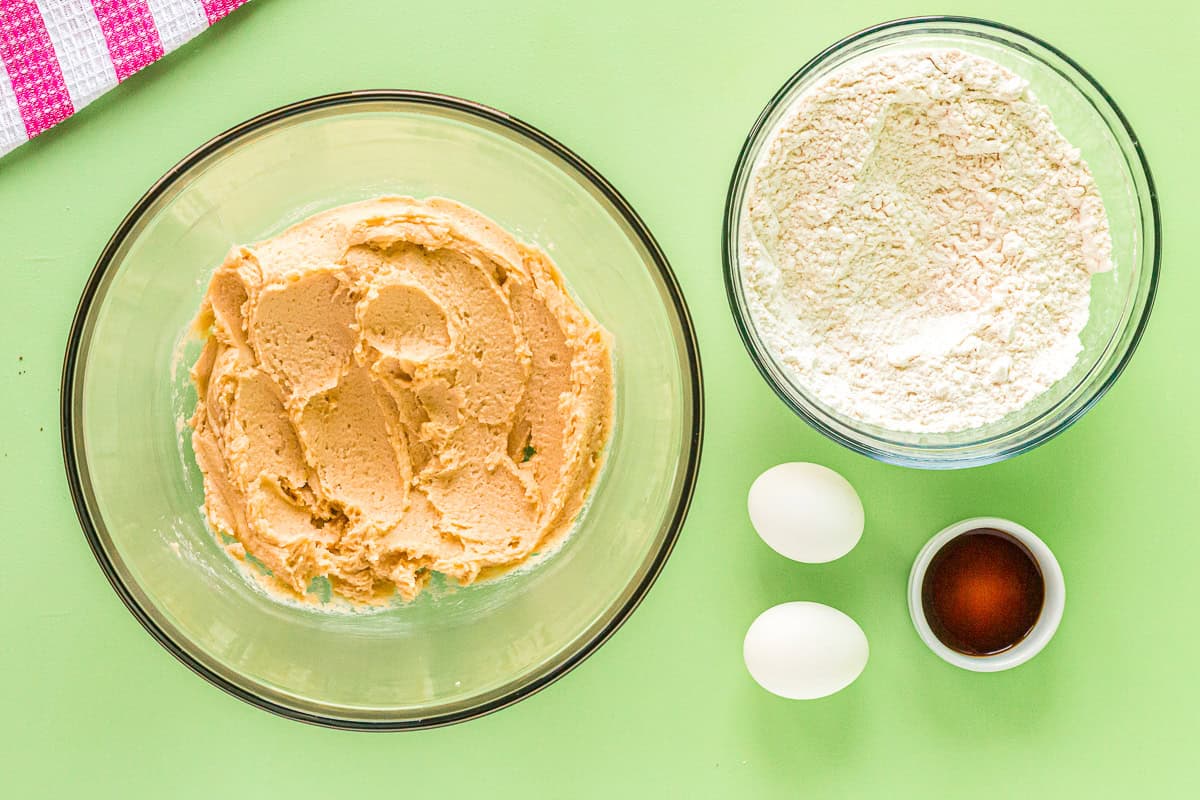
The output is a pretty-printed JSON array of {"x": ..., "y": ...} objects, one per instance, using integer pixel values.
[{"x": 941, "y": 242}]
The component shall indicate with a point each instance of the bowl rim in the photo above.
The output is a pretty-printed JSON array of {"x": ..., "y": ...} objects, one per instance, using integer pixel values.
[
  {"x": 693, "y": 390},
  {"x": 875, "y": 448}
]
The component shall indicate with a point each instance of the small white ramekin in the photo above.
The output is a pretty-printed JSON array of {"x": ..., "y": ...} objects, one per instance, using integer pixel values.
[{"x": 1043, "y": 629}]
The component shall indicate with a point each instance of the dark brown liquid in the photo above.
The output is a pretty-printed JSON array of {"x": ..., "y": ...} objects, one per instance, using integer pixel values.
[{"x": 983, "y": 592}]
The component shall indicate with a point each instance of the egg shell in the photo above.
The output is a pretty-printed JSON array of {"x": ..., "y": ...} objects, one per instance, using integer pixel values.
[
  {"x": 803, "y": 650},
  {"x": 806, "y": 512}
]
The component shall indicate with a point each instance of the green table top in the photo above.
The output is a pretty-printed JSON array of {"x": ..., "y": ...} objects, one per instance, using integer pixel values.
[{"x": 658, "y": 97}]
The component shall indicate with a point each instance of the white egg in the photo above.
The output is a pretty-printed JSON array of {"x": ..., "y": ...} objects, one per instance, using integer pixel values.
[
  {"x": 804, "y": 650},
  {"x": 806, "y": 512}
]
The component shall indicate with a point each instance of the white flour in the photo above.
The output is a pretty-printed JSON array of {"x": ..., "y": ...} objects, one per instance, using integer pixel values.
[{"x": 918, "y": 242}]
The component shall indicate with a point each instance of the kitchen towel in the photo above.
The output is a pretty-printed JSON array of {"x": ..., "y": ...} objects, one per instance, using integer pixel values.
[{"x": 60, "y": 55}]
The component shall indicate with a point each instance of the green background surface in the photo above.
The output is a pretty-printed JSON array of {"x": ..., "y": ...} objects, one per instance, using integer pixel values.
[{"x": 658, "y": 97}]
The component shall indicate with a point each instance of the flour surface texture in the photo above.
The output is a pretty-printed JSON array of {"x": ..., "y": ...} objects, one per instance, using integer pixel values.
[{"x": 918, "y": 242}]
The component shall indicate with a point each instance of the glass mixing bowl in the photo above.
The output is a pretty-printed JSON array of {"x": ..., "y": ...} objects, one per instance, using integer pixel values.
[
  {"x": 455, "y": 652},
  {"x": 1121, "y": 299}
]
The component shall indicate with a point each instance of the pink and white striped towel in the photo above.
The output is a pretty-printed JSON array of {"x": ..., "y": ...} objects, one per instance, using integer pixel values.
[{"x": 60, "y": 55}]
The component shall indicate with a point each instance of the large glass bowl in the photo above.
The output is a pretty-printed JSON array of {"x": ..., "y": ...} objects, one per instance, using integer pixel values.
[
  {"x": 1121, "y": 299},
  {"x": 455, "y": 652}
]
